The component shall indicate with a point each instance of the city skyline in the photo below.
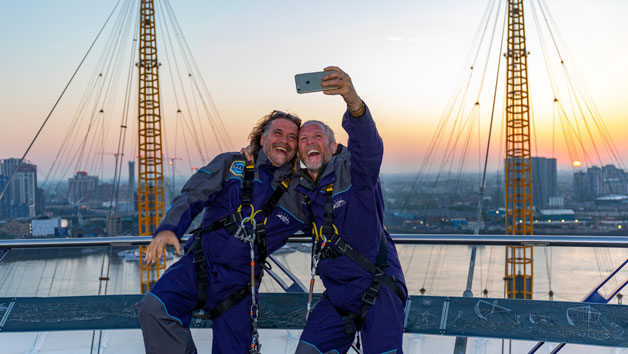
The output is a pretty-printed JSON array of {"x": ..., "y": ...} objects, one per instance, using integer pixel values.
[{"x": 404, "y": 58}]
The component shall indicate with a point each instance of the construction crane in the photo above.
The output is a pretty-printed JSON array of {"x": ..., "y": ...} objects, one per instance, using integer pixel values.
[
  {"x": 150, "y": 187},
  {"x": 518, "y": 169}
]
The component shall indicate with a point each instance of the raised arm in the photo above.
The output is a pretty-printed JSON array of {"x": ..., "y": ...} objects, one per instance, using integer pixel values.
[{"x": 365, "y": 144}]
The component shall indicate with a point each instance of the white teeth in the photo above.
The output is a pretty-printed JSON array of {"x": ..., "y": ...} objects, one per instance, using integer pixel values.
[
  {"x": 312, "y": 152},
  {"x": 282, "y": 149}
]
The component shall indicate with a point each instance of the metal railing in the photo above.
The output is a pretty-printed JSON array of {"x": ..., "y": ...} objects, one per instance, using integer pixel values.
[{"x": 401, "y": 239}]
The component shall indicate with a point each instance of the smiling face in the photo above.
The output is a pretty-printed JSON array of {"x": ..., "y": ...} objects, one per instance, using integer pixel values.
[
  {"x": 315, "y": 147},
  {"x": 279, "y": 142}
]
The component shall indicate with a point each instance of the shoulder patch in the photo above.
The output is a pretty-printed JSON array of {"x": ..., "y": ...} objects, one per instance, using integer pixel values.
[{"x": 237, "y": 168}]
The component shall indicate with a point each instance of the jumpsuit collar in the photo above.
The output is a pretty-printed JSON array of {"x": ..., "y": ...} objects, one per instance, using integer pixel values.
[
  {"x": 327, "y": 170},
  {"x": 279, "y": 173}
]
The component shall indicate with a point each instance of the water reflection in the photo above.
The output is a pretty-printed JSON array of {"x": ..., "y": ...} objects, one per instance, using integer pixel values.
[{"x": 440, "y": 270}]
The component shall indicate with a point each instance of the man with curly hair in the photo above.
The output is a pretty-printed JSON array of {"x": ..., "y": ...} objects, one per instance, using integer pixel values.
[{"x": 246, "y": 208}]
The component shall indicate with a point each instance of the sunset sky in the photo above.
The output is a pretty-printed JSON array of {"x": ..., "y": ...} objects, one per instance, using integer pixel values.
[{"x": 406, "y": 58}]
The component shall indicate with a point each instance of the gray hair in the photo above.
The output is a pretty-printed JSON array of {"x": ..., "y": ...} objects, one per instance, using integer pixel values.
[{"x": 326, "y": 128}]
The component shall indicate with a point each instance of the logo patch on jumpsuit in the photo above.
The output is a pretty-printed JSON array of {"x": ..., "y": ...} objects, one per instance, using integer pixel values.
[
  {"x": 339, "y": 202},
  {"x": 284, "y": 218},
  {"x": 237, "y": 168}
]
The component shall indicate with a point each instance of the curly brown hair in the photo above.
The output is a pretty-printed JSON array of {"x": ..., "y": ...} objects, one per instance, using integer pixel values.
[{"x": 263, "y": 124}]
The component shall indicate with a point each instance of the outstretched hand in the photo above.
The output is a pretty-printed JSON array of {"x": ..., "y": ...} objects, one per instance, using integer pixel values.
[
  {"x": 158, "y": 244},
  {"x": 343, "y": 86}
]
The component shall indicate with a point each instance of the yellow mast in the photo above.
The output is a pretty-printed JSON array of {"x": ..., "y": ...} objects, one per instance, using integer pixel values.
[
  {"x": 150, "y": 177},
  {"x": 518, "y": 174}
]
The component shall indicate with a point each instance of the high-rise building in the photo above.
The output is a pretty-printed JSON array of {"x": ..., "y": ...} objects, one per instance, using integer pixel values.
[
  {"x": 608, "y": 180},
  {"x": 5, "y": 202},
  {"x": 22, "y": 191},
  {"x": 82, "y": 187},
  {"x": 579, "y": 185},
  {"x": 40, "y": 201},
  {"x": 132, "y": 175},
  {"x": 615, "y": 181},
  {"x": 544, "y": 181}
]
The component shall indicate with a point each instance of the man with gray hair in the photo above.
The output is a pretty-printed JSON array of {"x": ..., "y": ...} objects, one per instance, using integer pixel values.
[{"x": 352, "y": 251}]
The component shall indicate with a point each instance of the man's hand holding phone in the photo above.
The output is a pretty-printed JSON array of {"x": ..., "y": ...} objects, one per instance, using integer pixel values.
[{"x": 332, "y": 81}]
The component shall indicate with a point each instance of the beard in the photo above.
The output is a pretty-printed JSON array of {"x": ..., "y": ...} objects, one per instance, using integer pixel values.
[{"x": 313, "y": 166}]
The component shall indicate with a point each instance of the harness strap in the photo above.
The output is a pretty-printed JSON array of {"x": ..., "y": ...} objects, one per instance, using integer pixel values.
[
  {"x": 353, "y": 322},
  {"x": 271, "y": 204},
  {"x": 341, "y": 247},
  {"x": 231, "y": 223},
  {"x": 328, "y": 212},
  {"x": 200, "y": 271},
  {"x": 227, "y": 303},
  {"x": 275, "y": 197},
  {"x": 247, "y": 183},
  {"x": 349, "y": 320}
]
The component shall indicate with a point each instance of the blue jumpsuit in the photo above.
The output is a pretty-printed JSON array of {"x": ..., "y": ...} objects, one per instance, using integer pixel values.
[
  {"x": 358, "y": 214},
  {"x": 165, "y": 312}
]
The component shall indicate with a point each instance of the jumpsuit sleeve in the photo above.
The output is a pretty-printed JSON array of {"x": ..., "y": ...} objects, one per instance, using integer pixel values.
[
  {"x": 366, "y": 148},
  {"x": 195, "y": 195}
]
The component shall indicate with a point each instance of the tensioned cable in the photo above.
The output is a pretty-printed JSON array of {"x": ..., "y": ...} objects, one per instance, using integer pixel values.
[
  {"x": 452, "y": 103},
  {"x": 193, "y": 131},
  {"x": 436, "y": 275},
  {"x": 112, "y": 89},
  {"x": 428, "y": 266},
  {"x": 222, "y": 137},
  {"x": 590, "y": 107},
  {"x": 212, "y": 110},
  {"x": 83, "y": 103},
  {"x": 575, "y": 90},
  {"x": 486, "y": 157},
  {"x": 55, "y": 104},
  {"x": 548, "y": 251},
  {"x": 66, "y": 141},
  {"x": 113, "y": 207},
  {"x": 586, "y": 94},
  {"x": 450, "y": 156},
  {"x": 602, "y": 129},
  {"x": 108, "y": 70},
  {"x": 460, "y": 125},
  {"x": 187, "y": 150},
  {"x": 96, "y": 85},
  {"x": 490, "y": 129},
  {"x": 445, "y": 118}
]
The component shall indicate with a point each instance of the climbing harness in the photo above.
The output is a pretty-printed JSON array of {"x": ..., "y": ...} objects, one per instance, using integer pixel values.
[
  {"x": 319, "y": 235},
  {"x": 236, "y": 225},
  {"x": 332, "y": 246}
]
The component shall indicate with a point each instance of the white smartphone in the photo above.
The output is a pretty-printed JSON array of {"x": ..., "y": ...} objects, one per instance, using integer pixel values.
[{"x": 311, "y": 82}]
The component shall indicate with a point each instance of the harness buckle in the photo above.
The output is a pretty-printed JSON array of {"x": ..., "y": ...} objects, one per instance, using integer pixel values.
[
  {"x": 379, "y": 273},
  {"x": 240, "y": 234},
  {"x": 369, "y": 297},
  {"x": 343, "y": 247},
  {"x": 199, "y": 257},
  {"x": 348, "y": 324}
]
